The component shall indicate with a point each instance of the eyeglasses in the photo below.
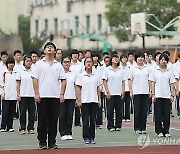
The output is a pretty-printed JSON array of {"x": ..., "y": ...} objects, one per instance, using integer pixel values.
[
  {"x": 66, "y": 61},
  {"x": 49, "y": 46}
]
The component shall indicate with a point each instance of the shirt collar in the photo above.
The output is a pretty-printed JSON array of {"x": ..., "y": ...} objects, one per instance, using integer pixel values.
[
  {"x": 54, "y": 61},
  {"x": 158, "y": 68},
  {"x": 85, "y": 73}
]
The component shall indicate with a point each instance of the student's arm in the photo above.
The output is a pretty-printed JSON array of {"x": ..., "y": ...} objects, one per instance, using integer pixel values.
[
  {"x": 172, "y": 92},
  {"x": 153, "y": 91},
  {"x": 63, "y": 88},
  {"x": 130, "y": 88},
  {"x": 78, "y": 96},
  {"x": 150, "y": 89},
  {"x": 123, "y": 89},
  {"x": 18, "y": 83},
  {"x": 99, "y": 96},
  {"x": 36, "y": 90},
  {"x": 108, "y": 95},
  {"x": 177, "y": 87}
]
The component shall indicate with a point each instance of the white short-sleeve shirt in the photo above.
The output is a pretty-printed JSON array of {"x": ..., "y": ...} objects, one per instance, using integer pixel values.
[
  {"x": 162, "y": 82},
  {"x": 139, "y": 77},
  {"x": 26, "y": 85},
  {"x": 48, "y": 76},
  {"x": 114, "y": 79},
  {"x": 70, "y": 85},
  {"x": 10, "y": 85},
  {"x": 77, "y": 67},
  {"x": 89, "y": 85}
]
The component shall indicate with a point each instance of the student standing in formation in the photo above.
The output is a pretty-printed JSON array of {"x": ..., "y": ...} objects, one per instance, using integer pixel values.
[
  {"x": 131, "y": 61},
  {"x": 67, "y": 108},
  {"x": 18, "y": 66},
  {"x": 98, "y": 70},
  {"x": 177, "y": 76},
  {"x": 76, "y": 67},
  {"x": 88, "y": 98},
  {"x": 127, "y": 99},
  {"x": 25, "y": 96},
  {"x": 162, "y": 96},
  {"x": 9, "y": 97},
  {"x": 4, "y": 56},
  {"x": 81, "y": 56},
  {"x": 139, "y": 87},
  {"x": 114, "y": 84},
  {"x": 47, "y": 74}
]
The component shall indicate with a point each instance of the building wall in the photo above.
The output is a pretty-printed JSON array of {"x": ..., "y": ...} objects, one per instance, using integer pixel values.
[
  {"x": 51, "y": 9},
  {"x": 8, "y": 16}
]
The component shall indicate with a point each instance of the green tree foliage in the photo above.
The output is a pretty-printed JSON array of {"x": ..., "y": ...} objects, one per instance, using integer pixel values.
[
  {"x": 119, "y": 12},
  {"x": 24, "y": 32}
]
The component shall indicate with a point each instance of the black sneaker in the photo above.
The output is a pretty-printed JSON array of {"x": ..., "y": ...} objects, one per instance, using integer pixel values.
[
  {"x": 54, "y": 146},
  {"x": 43, "y": 147}
]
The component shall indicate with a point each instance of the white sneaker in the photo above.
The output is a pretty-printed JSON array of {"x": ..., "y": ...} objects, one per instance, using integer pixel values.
[
  {"x": 160, "y": 135},
  {"x": 3, "y": 130},
  {"x": 11, "y": 130},
  {"x": 124, "y": 120},
  {"x": 69, "y": 137},
  {"x": 112, "y": 129},
  {"x": 64, "y": 138},
  {"x": 128, "y": 120},
  {"x": 167, "y": 135}
]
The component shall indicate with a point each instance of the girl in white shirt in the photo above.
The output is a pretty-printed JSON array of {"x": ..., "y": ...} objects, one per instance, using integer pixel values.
[
  {"x": 25, "y": 96},
  {"x": 9, "y": 97},
  {"x": 88, "y": 98},
  {"x": 162, "y": 96},
  {"x": 114, "y": 84},
  {"x": 139, "y": 87},
  {"x": 67, "y": 108}
]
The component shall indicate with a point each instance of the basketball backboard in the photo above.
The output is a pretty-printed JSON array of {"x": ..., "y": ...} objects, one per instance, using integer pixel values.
[{"x": 138, "y": 23}]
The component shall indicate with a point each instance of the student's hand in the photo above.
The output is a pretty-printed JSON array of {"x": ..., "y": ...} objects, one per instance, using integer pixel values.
[
  {"x": 18, "y": 98},
  {"x": 79, "y": 104},
  {"x": 61, "y": 98},
  {"x": 37, "y": 98},
  {"x": 172, "y": 99},
  {"x": 150, "y": 94},
  {"x": 122, "y": 95},
  {"x": 2, "y": 97},
  {"x": 99, "y": 104},
  {"x": 153, "y": 98},
  {"x": 108, "y": 96},
  {"x": 177, "y": 93},
  {"x": 131, "y": 95}
]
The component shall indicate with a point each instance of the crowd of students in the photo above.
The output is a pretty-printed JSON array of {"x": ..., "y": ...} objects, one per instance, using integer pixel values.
[{"x": 52, "y": 87}]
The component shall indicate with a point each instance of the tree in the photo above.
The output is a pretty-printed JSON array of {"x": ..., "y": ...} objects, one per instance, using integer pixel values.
[
  {"x": 119, "y": 11},
  {"x": 29, "y": 44}
]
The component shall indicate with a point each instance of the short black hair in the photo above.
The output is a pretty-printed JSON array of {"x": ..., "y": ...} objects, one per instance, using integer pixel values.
[
  {"x": 105, "y": 53},
  {"x": 166, "y": 52},
  {"x": 64, "y": 58},
  {"x": 123, "y": 56},
  {"x": 148, "y": 52},
  {"x": 17, "y": 51},
  {"x": 81, "y": 52},
  {"x": 165, "y": 56},
  {"x": 114, "y": 53},
  {"x": 10, "y": 60},
  {"x": 33, "y": 52},
  {"x": 4, "y": 53},
  {"x": 74, "y": 51},
  {"x": 130, "y": 53},
  {"x": 88, "y": 51},
  {"x": 139, "y": 54},
  {"x": 110, "y": 61},
  {"x": 96, "y": 54},
  {"x": 50, "y": 43}
]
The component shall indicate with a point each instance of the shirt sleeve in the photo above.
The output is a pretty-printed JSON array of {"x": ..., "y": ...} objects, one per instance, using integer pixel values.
[
  {"x": 79, "y": 80},
  {"x": 35, "y": 71},
  {"x": 62, "y": 74},
  {"x": 152, "y": 76},
  {"x": 18, "y": 76},
  {"x": 130, "y": 75},
  {"x": 105, "y": 74}
]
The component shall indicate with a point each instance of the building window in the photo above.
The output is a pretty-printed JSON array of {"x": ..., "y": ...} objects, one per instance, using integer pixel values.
[
  {"x": 69, "y": 3},
  {"x": 36, "y": 27},
  {"x": 46, "y": 26},
  {"x": 99, "y": 22},
  {"x": 55, "y": 25},
  {"x": 76, "y": 25},
  {"x": 88, "y": 24}
]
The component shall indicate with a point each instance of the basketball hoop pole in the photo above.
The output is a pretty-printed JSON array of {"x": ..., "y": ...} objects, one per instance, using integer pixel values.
[{"x": 143, "y": 39}]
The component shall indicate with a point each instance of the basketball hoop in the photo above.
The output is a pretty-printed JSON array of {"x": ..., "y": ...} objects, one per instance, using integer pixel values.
[{"x": 138, "y": 23}]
